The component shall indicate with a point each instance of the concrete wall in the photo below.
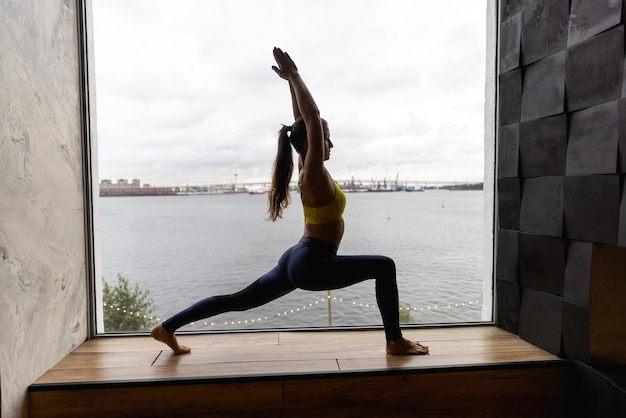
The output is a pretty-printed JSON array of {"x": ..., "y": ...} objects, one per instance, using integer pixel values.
[{"x": 43, "y": 296}]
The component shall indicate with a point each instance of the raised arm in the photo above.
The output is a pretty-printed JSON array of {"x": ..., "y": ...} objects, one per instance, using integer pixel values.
[
  {"x": 294, "y": 100},
  {"x": 294, "y": 103},
  {"x": 304, "y": 105}
]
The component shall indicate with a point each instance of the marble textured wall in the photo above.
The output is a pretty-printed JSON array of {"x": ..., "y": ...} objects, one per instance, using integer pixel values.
[
  {"x": 561, "y": 145},
  {"x": 43, "y": 308}
]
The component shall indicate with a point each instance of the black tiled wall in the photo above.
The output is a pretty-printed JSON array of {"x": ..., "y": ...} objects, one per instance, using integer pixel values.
[{"x": 561, "y": 149}]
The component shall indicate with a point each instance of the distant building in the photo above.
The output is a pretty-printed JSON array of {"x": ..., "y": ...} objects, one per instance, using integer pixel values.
[{"x": 124, "y": 188}]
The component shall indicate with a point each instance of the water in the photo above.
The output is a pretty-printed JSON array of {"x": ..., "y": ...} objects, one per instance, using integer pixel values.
[{"x": 184, "y": 248}]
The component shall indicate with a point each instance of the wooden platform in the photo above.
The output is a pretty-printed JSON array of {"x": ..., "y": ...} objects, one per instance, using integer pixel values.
[{"x": 478, "y": 370}]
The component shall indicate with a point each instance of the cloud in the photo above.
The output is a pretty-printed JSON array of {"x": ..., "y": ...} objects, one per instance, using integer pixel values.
[{"x": 185, "y": 92}]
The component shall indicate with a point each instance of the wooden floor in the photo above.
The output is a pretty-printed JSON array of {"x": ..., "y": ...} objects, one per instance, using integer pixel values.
[{"x": 261, "y": 363}]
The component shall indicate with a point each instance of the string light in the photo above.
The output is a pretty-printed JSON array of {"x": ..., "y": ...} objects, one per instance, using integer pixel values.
[
  {"x": 289, "y": 312},
  {"x": 130, "y": 313}
]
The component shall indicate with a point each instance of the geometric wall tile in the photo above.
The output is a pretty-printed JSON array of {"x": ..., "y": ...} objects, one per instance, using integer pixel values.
[
  {"x": 542, "y": 263},
  {"x": 507, "y": 306},
  {"x": 594, "y": 69},
  {"x": 624, "y": 81},
  {"x": 509, "y": 7},
  {"x": 510, "y": 97},
  {"x": 543, "y": 91},
  {"x": 507, "y": 255},
  {"x": 589, "y": 18},
  {"x": 593, "y": 139},
  {"x": 509, "y": 203},
  {"x": 543, "y": 145},
  {"x": 544, "y": 30},
  {"x": 621, "y": 115},
  {"x": 578, "y": 272},
  {"x": 541, "y": 209},
  {"x": 540, "y": 320},
  {"x": 508, "y": 151},
  {"x": 591, "y": 208},
  {"x": 576, "y": 332},
  {"x": 621, "y": 234},
  {"x": 510, "y": 42}
]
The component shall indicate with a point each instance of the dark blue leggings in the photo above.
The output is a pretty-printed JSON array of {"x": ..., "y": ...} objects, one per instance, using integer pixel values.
[{"x": 310, "y": 265}]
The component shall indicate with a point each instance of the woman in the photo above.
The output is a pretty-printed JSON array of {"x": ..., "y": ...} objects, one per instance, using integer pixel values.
[{"x": 313, "y": 263}]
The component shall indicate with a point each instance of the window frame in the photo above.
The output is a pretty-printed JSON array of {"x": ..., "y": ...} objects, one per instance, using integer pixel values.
[{"x": 88, "y": 134}]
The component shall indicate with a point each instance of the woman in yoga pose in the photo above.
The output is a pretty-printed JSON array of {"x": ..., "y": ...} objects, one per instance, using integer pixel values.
[{"x": 313, "y": 263}]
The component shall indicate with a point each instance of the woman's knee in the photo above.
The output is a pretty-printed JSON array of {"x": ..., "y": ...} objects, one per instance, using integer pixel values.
[{"x": 388, "y": 262}]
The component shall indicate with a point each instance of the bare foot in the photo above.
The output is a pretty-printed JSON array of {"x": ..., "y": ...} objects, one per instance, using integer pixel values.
[
  {"x": 161, "y": 334},
  {"x": 404, "y": 347}
]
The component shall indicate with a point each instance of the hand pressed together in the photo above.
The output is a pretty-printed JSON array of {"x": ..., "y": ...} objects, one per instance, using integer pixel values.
[{"x": 286, "y": 67}]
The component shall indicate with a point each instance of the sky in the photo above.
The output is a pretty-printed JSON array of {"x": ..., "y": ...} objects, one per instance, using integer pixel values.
[{"x": 186, "y": 94}]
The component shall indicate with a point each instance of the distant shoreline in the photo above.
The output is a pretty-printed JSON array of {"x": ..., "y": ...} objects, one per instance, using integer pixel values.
[{"x": 118, "y": 191}]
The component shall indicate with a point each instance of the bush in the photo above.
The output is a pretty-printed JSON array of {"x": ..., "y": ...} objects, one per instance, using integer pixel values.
[
  {"x": 405, "y": 314},
  {"x": 126, "y": 308}
]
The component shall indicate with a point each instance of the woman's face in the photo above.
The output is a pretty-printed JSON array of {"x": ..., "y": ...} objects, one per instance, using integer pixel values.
[{"x": 327, "y": 142}]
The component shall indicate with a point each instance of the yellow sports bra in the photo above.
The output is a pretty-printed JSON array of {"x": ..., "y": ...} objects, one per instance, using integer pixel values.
[{"x": 329, "y": 213}]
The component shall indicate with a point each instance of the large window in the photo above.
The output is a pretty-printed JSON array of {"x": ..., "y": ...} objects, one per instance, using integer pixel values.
[{"x": 188, "y": 111}]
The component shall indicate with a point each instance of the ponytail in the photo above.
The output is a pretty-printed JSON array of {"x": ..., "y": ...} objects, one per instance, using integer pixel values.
[{"x": 283, "y": 168}]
